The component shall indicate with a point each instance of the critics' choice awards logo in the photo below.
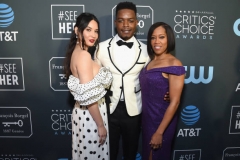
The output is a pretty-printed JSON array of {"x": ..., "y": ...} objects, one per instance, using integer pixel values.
[
  {"x": 61, "y": 122},
  {"x": 197, "y": 76},
  {"x": 231, "y": 153},
  {"x": 145, "y": 20},
  {"x": 6, "y": 19},
  {"x": 17, "y": 157},
  {"x": 234, "y": 127},
  {"x": 11, "y": 74},
  {"x": 238, "y": 87},
  {"x": 236, "y": 27},
  {"x": 189, "y": 116},
  {"x": 15, "y": 122},
  {"x": 58, "y": 80},
  {"x": 63, "y": 18},
  {"x": 194, "y": 24},
  {"x": 193, "y": 154}
]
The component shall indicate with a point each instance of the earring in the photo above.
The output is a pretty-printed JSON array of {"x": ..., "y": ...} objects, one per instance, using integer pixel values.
[{"x": 77, "y": 39}]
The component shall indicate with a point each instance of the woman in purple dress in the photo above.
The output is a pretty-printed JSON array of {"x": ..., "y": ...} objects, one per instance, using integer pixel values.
[{"x": 164, "y": 73}]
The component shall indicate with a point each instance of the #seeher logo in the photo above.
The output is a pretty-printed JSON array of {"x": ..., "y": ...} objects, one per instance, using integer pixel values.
[
  {"x": 190, "y": 115},
  {"x": 6, "y": 15}
]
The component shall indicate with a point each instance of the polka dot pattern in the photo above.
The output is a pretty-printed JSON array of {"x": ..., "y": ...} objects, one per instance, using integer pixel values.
[
  {"x": 92, "y": 91},
  {"x": 85, "y": 140}
]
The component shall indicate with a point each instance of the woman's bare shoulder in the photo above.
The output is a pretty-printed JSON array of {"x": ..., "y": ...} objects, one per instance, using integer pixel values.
[
  {"x": 81, "y": 58},
  {"x": 81, "y": 55},
  {"x": 173, "y": 61}
]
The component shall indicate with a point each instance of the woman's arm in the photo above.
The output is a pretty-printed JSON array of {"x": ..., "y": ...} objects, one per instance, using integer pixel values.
[
  {"x": 175, "y": 89},
  {"x": 84, "y": 68}
]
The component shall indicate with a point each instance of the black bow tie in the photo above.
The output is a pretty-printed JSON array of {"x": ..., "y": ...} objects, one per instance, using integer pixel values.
[{"x": 128, "y": 44}]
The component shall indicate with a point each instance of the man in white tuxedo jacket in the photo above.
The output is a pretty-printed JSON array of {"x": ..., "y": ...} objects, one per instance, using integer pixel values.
[{"x": 125, "y": 56}]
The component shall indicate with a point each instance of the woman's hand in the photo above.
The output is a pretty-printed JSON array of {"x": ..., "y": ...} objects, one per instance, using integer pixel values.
[
  {"x": 156, "y": 141},
  {"x": 102, "y": 133}
]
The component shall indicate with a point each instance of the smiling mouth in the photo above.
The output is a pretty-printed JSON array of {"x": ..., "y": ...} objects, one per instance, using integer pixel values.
[
  {"x": 126, "y": 31},
  {"x": 157, "y": 47}
]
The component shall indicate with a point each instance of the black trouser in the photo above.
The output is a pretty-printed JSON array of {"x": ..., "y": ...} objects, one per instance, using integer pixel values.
[{"x": 121, "y": 124}]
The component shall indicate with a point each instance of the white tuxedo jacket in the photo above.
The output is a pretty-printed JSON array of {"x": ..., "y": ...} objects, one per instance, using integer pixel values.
[{"x": 126, "y": 82}]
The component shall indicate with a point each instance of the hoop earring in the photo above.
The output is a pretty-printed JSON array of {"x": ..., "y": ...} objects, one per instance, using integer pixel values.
[{"x": 76, "y": 36}]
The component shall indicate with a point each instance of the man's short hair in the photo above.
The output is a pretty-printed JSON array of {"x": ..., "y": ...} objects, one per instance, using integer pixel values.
[{"x": 126, "y": 5}]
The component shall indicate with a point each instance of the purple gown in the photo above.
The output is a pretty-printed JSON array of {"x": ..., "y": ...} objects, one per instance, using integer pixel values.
[{"x": 153, "y": 88}]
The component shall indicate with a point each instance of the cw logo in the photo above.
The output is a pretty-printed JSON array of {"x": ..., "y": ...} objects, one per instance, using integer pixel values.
[
  {"x": 235, "y": 27},
  {"x": 201, "y": 78}
]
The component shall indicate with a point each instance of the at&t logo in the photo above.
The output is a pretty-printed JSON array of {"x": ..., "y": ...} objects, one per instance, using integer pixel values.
[
  {"x": 200, "y": 78},
  {"x": 189, "y": 115},
  {"x": 7, "y": 15},
  {"x": 6, "y": 19},
  {"x": 236, "y": 27}
]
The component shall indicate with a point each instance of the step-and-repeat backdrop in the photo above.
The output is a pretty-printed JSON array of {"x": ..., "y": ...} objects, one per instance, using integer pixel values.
[{"x": 36, "y": 106}]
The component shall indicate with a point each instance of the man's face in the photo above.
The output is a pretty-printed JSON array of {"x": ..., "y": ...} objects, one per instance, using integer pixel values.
[{"x": 126, "y": 23}]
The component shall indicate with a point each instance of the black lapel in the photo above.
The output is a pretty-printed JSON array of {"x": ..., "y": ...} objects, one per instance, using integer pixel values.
[
  {"x": 140, "y": 51},
  {"x": 110, "y": 55}
]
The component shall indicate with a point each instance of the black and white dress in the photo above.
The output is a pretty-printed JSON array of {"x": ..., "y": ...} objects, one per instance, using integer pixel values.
[{"x": 85, "y": 139}]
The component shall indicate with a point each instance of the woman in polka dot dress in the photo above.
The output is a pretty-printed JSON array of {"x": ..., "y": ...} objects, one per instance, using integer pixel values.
[{"x": 87, "y": 82}]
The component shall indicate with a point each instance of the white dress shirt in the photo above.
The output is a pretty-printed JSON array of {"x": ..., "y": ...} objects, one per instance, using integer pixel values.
[{"x": 124, "y": 57}]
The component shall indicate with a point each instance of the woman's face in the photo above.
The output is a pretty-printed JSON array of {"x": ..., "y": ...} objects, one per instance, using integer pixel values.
[
  {"x": 159, "y": 40},
  {"x": 90, "y": 34}
]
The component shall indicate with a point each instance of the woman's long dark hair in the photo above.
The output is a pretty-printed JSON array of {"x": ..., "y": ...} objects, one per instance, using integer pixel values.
[{"x": 82, "y": 22}]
